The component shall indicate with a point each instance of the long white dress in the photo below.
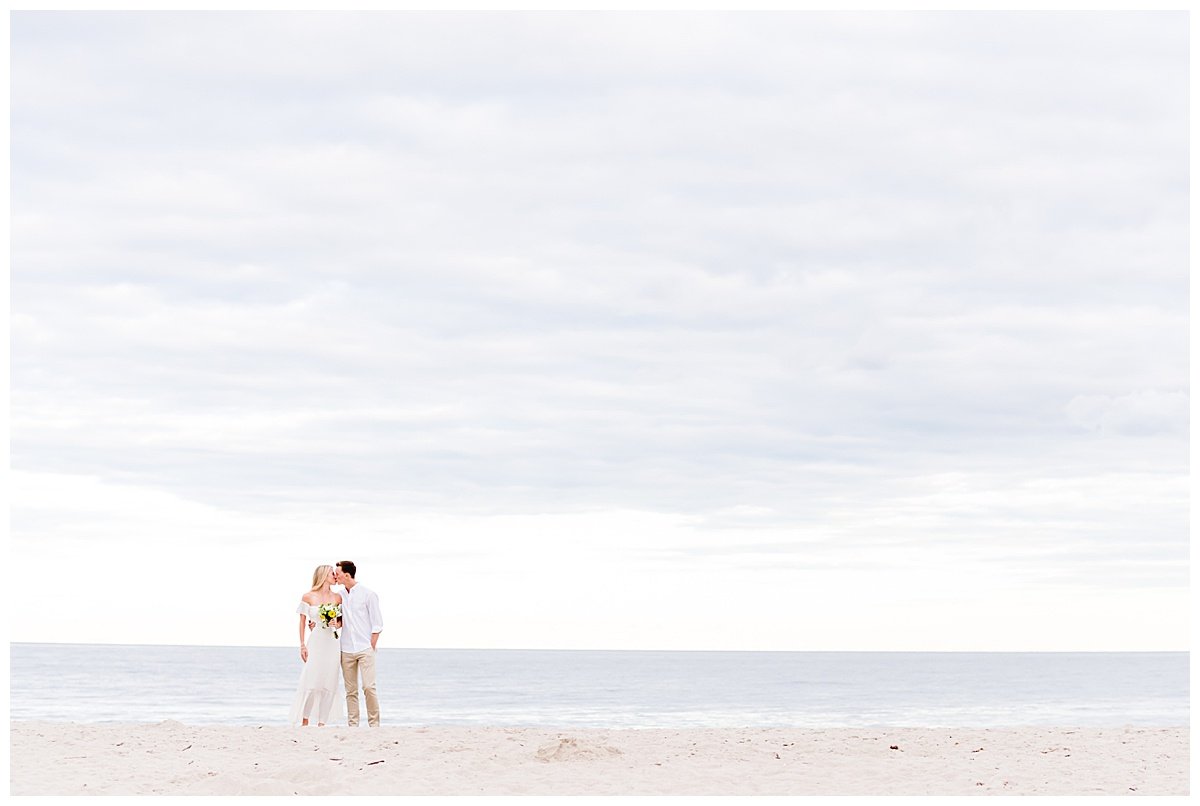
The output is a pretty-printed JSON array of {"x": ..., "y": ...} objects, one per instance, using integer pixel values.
[{"x": 320, "y": 692}]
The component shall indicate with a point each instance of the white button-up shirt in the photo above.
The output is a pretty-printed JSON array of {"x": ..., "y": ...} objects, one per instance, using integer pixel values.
[{"x": 360, "y": 618}]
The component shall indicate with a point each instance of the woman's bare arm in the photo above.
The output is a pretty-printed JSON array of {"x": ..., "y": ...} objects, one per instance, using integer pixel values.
[{"x": 303, "y": 645}]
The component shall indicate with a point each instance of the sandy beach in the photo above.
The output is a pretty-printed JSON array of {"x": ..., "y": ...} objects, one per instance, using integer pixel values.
[{"x": 170, "y": 758}]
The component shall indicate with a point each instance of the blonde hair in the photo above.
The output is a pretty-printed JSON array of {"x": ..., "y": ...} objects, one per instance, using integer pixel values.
[{"x": 320, "y": 575}]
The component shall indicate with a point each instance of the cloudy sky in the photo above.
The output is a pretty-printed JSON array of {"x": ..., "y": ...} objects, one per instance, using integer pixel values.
[{"x": 684, "y": 331}]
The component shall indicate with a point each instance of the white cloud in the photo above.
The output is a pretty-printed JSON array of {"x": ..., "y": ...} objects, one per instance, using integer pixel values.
[{"x": 1145, "y": 412}]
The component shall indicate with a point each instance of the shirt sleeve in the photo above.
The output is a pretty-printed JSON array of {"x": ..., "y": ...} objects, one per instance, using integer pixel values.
[{"x": 373, "y": 614}]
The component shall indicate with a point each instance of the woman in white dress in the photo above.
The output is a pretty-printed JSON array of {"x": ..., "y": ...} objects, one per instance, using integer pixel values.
[{"x": 320, "y": 692}]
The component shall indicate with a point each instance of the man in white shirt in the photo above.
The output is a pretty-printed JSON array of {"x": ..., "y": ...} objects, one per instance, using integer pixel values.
[{"x": 361, "y": 625}]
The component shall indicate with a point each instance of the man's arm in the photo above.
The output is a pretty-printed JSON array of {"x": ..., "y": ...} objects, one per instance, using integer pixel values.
[{"x": 375, "y": 617}]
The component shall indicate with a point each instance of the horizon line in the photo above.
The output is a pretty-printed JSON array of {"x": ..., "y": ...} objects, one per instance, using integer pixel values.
[{"x": 576, "y": 649}]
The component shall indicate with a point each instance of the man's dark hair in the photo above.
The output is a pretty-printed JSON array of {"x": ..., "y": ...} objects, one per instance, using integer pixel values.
[{"x": 348, "y": 568}]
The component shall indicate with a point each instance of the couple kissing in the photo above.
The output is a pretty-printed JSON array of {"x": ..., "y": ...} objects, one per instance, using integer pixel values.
[{"x": 338, "y": 633}]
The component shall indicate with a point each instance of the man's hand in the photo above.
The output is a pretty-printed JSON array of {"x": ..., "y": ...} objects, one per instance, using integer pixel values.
[{"x": 312, "y": 625}]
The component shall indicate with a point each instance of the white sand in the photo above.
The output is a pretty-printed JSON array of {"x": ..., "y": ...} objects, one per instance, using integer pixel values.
[{"x": 170, "y": 758}]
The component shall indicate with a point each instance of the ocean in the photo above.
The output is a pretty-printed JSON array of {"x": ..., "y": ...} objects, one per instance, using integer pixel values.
[{"x": 614, "y": 689}]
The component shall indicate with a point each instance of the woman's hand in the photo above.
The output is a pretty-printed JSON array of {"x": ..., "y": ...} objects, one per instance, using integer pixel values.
[{"x": 304, "y": 653}]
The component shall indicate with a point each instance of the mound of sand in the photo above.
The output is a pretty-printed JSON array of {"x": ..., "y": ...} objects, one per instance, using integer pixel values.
[{"x": 569, "y": 749}]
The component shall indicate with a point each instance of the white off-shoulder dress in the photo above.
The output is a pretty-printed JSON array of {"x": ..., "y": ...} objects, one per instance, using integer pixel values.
[{"x": 319, "y": 696}]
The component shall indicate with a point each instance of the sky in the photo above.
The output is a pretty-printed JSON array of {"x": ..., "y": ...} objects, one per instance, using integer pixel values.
[{"x": 786, "y": 331}]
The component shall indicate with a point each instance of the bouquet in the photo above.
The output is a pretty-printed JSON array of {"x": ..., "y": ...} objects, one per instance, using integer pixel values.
[{"x": 331, "y": 616}]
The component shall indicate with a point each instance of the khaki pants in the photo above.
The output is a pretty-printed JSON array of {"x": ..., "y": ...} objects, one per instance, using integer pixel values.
[{"x": 352, "y": 664}]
